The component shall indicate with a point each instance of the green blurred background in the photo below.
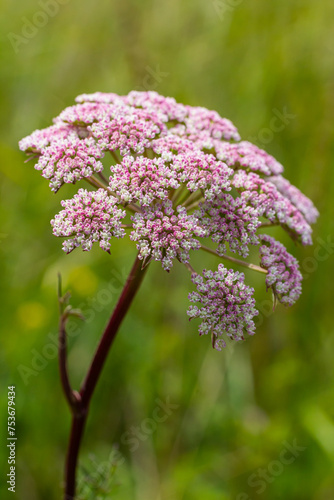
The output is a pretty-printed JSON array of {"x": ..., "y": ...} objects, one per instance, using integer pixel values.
[{"x": 238, "y": 409}]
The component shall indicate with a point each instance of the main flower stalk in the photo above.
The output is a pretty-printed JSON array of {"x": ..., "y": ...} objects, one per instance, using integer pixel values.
[{"x": 79, "y": 401}]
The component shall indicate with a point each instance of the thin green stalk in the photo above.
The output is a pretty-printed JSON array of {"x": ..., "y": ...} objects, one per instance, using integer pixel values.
[
  {"x": 114, "y": 155},
  {"x": 249, "y": 265},
  {"x": 195, "y": 204},
  {"x": 268, "y": 224},
  {"x": 177, "y": 193},
  {"x": 192, "y": 197}
]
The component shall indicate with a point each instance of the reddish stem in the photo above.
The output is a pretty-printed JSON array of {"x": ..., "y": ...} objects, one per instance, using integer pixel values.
[
  {"x": 81, "y": 407},
  {"x": 77, "y": 428},
  {"x": 71, "y": 396}
]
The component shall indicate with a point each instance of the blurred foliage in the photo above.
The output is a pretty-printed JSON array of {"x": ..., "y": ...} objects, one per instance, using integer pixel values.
[{"x": 236, "y": 410}]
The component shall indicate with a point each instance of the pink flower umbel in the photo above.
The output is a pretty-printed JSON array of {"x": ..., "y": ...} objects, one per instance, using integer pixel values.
[
  {"x": 165, "y": 234},
  {"x": 89, "y": 217},
  {"x": 227, "y": 305},
  {"x": 284, "y": 276},
  {"x": 173, "y": 179},
  {"x": 184, "y": 177}
]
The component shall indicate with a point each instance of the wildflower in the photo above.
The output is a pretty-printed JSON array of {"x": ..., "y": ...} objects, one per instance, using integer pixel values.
[
  {"x": 89, "y": 217},
  {"x": 284, "y": 276},
  {"x": 263, "y": 195},
  {"x": 164, "y": 234},
  {"x": 181, "y": 175},
  {"x": 227, "y": 305},
  {"x": 142, "y": 180},
  {"x": 244, "y": 155},
  {"x": 36, "y": 142},
  {"x": 127, "y": 129},
  {"x": 231, "y": 221},
  {"x": 297, "y": 198}
]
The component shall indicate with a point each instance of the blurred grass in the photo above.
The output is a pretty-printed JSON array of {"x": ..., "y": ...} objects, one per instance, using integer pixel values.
[{"x": 235, "y": 408}]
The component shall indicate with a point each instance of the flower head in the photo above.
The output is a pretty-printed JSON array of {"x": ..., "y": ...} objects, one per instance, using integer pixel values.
[
  {"x": 182, "y": 176},
  {"x": 297, "y": 198},
  {"x": 165, "y": 234},
  {"x": 226, "y": 305},
  {"x": 89, "y": 217},
  {"x": 142, "y": 180},
  {"x": 263, "y": 195},
  {"x": 127, "y": 129},
  {"x": 284, "y": 276},
  {"x": 230, "y": 220},
  {"x": 244, "y": 155},
  {"x": 69, "y": 160}
]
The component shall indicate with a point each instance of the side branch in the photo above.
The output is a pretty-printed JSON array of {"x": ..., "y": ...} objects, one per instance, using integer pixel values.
[
  {"x": 72, "y": 396},
  {"x": 249, "y": 265}
]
